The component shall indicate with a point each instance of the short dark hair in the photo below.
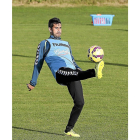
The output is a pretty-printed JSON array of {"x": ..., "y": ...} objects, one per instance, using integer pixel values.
[{"x": 53, "y": 21}]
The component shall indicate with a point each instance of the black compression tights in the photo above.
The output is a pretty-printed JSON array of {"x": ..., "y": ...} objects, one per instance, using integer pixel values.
[
  {"x": 76, "y": 92},
  {"x": 71, "y": 78}
]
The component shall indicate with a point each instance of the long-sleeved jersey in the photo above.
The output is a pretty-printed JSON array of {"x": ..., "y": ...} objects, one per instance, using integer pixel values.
[{"x": 57, "y": 53}]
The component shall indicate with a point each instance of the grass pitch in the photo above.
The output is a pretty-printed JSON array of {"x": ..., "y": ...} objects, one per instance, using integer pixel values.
[{"x": 42, "y": 114}]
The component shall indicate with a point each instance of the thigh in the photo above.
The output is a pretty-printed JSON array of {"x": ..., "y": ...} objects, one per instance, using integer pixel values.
[
  {"x": 67, "y": 75},
  {"x": 76, "y": 91}
]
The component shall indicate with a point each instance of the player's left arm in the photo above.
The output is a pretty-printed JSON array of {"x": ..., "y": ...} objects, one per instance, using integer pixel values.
[{"x": 77, "y": 67}]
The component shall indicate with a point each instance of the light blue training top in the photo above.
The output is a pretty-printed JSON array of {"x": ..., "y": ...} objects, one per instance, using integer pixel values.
[{"x": 57, "y": 53}]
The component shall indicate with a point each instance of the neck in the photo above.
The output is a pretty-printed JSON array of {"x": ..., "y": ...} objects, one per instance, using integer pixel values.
[{"x": 52, "y": 36}]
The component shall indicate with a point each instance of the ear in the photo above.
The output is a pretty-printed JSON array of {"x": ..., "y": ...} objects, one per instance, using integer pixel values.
[{"x": 50, "y": 30}]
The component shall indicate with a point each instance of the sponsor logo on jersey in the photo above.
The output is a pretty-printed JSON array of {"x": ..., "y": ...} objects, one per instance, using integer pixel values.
[{"x": 61, "y": 52}]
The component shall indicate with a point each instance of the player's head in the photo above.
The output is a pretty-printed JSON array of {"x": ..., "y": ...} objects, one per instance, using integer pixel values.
[
  {"x": 53, "y": 21},
  {"x": 55, "y": 27}
]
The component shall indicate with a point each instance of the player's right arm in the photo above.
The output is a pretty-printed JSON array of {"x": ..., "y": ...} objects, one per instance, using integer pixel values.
[{"x": 37, "y": 65}]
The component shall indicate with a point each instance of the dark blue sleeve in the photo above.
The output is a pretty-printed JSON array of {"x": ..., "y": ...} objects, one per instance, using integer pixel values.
[
  {"x": 41, "y": 49},
  {"x": 77, "y": 67}
]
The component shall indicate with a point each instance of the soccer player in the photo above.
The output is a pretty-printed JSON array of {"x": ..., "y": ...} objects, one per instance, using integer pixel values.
[{"x": 58, "y": 56}]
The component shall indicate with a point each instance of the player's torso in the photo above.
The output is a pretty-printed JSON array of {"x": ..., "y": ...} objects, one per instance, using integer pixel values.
[{"x": 58, "y": 55}]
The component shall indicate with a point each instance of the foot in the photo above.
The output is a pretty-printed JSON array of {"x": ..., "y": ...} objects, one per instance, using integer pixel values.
[
  {"x": 72, "y": 133},
  {"x": 98, "y": 68}
]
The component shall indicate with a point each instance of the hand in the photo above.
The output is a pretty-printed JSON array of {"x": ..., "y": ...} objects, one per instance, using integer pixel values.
[{"x": 30, "y": 87}]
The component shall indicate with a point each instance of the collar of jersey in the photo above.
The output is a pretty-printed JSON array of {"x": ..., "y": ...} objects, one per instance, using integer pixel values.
[{"x": 51, "y": 36}]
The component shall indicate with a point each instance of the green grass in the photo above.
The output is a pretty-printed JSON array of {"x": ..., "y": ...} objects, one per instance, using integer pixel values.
[{"x": 42, "y": 114}]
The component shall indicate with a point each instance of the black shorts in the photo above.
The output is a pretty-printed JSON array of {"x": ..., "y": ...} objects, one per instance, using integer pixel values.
[{"x": 65, "y": 75}]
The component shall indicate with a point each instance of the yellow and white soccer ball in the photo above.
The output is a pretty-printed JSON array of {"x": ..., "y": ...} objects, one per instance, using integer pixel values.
[{"x": 95, "y": 53}]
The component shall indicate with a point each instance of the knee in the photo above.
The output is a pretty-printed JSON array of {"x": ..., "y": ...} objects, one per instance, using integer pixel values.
[{"x": 79, "y": 104}]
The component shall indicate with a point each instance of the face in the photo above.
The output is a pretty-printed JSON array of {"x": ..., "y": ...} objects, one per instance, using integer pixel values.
[{"x": 56, "y": 30}]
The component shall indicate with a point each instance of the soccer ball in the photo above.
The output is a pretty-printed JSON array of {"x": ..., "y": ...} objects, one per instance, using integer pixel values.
[{"x": 95, "y": 53}]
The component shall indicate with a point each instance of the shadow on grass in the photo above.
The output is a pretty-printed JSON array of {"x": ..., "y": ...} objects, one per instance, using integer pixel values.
[
  {"x": 106, "y": 63},
  {"x": 14, "y": 127},
  {"x": 120, "y": 29},
  {"x": 23, "y": 55}
]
